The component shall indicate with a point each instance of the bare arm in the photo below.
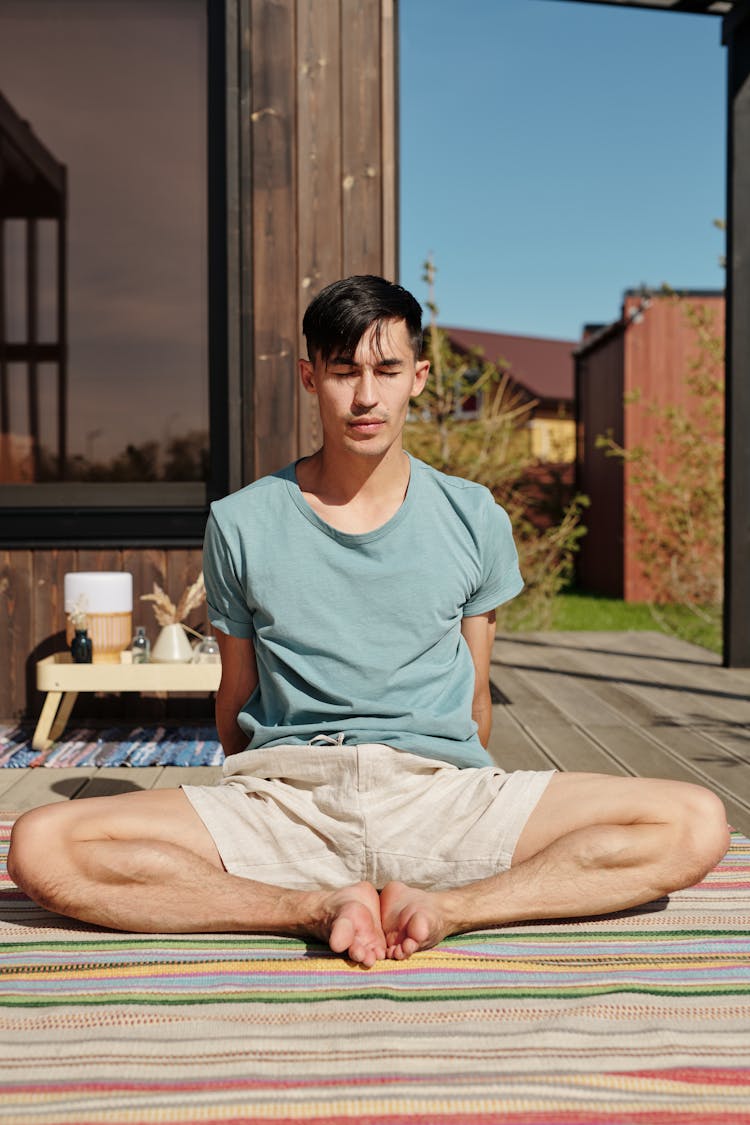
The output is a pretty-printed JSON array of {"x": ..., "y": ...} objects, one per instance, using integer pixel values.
[
  {"x": 479, "y": 633},
  {"x": 239, "y": 678}
]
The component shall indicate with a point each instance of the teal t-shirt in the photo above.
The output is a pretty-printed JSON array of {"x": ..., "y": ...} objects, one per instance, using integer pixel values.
[{"x": 361, "y": 634}]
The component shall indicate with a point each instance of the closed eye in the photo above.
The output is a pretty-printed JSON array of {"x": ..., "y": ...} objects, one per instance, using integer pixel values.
[{"x": 344, "y": 371}]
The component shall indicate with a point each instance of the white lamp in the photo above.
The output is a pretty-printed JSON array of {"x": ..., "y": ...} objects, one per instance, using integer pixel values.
[{"x": 106, "y": 598}]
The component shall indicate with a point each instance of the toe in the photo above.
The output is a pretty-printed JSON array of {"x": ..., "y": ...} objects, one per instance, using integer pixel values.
[{"x": 342, "y": 935}]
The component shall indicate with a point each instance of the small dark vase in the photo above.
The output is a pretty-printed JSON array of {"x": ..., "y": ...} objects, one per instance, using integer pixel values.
[{"x": 80, "y": 647}]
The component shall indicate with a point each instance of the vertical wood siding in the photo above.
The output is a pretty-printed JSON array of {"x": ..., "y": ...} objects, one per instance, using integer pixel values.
[
  {"x": 322, "y": 77},
  {"x": 274, "y": 163}
]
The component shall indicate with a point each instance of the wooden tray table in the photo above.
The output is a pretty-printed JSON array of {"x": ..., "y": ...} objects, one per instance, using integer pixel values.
[{"x": 63, "y": 680}]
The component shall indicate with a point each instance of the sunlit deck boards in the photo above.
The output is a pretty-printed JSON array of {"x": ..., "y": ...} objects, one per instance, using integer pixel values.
[
  {"x": 620, "y": 703},
  {"x": 624, "y": 703}
]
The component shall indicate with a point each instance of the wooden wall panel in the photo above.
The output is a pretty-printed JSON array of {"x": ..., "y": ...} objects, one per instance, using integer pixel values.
[
  {"x": 183, "y": 568},
  {"x": 361, "y": 138},
  {"x": 15, "y": 621},
  {"x": 389, "y": 139},
  {"x": 48, "y": 569},
  {"x": 147, "y": 567},
  {"x": 319, "y": 172},
  {"x": 322, "y": 160},
  {"x": 274, "y": 232}
]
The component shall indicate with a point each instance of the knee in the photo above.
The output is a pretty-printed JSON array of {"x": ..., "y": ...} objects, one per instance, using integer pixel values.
[
  {"x": 703, "y": 835},
  {"x": 37, "y": 839}
]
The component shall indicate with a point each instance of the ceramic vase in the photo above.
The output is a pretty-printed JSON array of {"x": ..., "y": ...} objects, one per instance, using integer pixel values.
[{"x": 172, "y": 646}]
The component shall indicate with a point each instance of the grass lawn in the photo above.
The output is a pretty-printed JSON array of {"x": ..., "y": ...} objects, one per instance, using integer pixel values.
[{"x": 574, "y": 610}]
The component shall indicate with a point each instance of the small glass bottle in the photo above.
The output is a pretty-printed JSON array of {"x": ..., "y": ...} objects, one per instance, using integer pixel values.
[
  {"x": 80, "y": 647},
  {"x": 141, "y": 647},
  {"x": 207, "y": 651}
]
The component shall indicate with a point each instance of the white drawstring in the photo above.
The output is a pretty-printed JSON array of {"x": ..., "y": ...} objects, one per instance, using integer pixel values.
[{"x": 328, "y": 739}]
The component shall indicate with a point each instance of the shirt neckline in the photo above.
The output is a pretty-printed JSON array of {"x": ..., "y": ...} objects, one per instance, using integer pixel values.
[{"x": 346, "y": 537}]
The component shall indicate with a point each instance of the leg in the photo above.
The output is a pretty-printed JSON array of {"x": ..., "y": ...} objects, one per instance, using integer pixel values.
[
  {"x": 61, "y": 721},
  {"x": 41, "y": 739},
  {"x": 593, "y": 844},
  {"x": 145, "y": 862}
]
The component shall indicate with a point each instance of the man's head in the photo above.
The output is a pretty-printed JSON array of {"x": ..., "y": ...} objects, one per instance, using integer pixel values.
[
  {"x": 364, "y": 339},
  {"x": 337, "y": 319}
]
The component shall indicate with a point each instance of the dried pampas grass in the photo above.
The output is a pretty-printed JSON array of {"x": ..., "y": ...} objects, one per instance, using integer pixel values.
[{"x": 166, "y": 612}]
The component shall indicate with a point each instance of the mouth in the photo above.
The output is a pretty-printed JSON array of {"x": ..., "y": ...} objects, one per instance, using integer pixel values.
[{"x": 366, "y": 425}]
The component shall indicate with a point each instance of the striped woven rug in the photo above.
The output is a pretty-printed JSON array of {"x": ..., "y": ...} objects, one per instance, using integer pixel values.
[{"x": 642, "y": 1017}]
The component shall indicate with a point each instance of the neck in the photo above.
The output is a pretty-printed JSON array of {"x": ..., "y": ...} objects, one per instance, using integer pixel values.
[{"x": 339, "y": 477}]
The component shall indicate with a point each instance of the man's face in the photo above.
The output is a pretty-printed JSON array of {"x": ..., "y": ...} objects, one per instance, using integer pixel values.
[{"x": 364, "y": 398}]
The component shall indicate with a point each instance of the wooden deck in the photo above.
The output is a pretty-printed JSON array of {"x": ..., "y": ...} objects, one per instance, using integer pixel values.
[
  {"x": 635, "y": 703},
  {"x": 620, "y": 703}
]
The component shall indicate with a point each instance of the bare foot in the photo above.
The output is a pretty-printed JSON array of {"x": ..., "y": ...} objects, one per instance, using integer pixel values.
[
  {"x": 412, "y": 920},
  {"x": 349, "y": 920}
]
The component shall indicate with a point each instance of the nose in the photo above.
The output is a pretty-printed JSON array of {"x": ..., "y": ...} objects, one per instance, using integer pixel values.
[{"x": 365, "y": 390}]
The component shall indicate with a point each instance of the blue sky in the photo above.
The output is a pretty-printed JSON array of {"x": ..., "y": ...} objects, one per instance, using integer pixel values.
[{"x": 554, "y": 154}]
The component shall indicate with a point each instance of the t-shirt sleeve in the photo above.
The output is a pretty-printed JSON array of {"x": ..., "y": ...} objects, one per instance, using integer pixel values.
[
  {"x": 228, "y": 608},
  {"x": 501, "y": 579}
]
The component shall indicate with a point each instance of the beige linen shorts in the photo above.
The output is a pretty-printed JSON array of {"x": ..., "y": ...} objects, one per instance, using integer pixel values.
[{"x": 317, "y": 817}]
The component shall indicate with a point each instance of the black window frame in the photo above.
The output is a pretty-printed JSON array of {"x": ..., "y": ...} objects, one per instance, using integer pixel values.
[{"x": 147, "y": 514}]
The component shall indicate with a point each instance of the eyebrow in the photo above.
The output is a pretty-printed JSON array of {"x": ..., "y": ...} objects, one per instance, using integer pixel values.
[{"x": 349, "y": 361}]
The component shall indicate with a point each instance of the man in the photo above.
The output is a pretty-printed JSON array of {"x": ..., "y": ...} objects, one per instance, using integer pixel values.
[{"x": 354, "y": 596}]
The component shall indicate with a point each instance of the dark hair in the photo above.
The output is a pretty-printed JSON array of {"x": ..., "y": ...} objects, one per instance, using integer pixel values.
[{"x": 342, "y": 312}]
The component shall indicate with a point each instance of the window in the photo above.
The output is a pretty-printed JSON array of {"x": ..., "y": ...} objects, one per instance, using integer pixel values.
[{"x": 104, "y": 279}]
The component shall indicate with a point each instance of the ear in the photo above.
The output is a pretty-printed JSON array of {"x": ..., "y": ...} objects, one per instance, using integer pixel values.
[
  {"x": 307, "y": 375},
  {"x": 421, "y": 371}
]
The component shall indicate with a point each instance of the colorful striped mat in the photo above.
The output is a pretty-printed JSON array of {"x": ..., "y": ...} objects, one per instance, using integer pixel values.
[
  {"x": 641, "y": 1017},
  {"x": 115, "y": 746}
]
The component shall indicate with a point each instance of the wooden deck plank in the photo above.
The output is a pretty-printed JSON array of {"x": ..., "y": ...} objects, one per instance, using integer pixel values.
[
  {"x": 710, "y": 761},
  {"x": 170, "y": 777},
  {"x": 690, "y": 686},
  {"x": 24, "y": 789},
  {"x": 110, "y": 781},
  {"x": 567, "y": 745},
  {"x": 587, "y": 671},
  {"x": 656, "y": 730},
  {"x": 511, "y": 748},
  {"x": 661, "y": 716},
  {"x": 9, "y": 778},
  {"x": 729, "y": 736},
  {"x": 672, "y": 661},
  {"x": 45, "y": 787},
  {"x": 694, "y": 710},
  {"x": 568, "y": 694},
  {"x": 667, "y": 720}
]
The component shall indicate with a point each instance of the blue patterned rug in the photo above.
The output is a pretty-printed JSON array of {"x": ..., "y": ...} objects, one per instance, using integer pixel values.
[{"x": 115, "y": 746}]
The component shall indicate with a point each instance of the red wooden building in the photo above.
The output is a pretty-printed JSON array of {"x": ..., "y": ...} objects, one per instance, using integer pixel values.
[{"x": 647, "y": 353}]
